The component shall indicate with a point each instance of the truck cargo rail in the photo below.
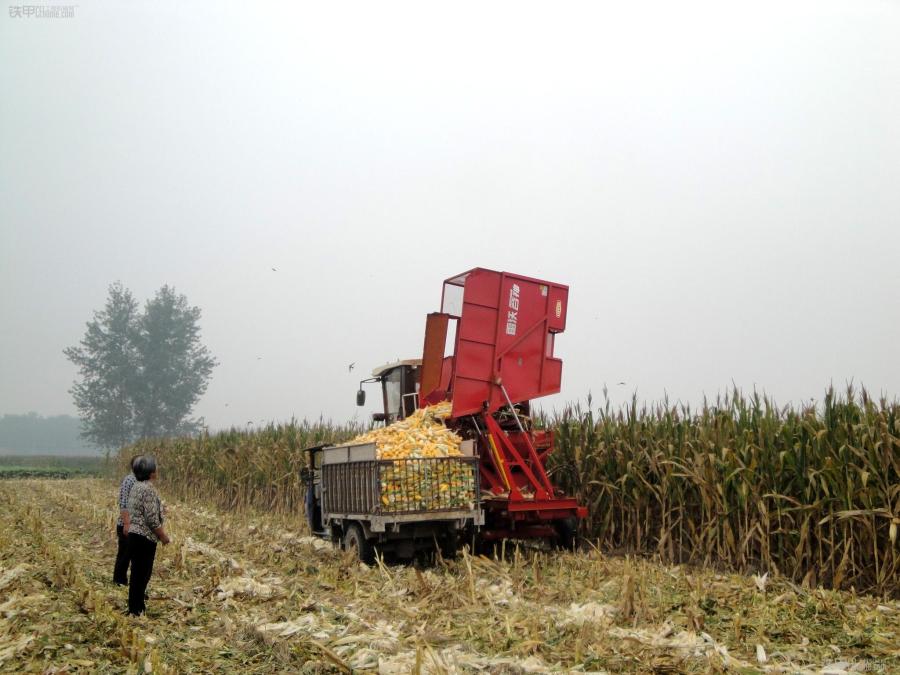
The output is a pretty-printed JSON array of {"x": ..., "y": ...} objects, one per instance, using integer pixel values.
[{"x": 397, "y": 487}]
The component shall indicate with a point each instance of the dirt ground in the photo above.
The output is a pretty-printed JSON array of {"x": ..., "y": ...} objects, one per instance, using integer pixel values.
[{"x": 253, "y": 593}]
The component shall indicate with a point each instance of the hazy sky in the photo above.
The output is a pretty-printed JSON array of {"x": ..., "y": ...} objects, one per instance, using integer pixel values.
[{"x": 720, "y": 187}]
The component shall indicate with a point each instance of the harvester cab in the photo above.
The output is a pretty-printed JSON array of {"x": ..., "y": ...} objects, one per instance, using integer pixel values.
[{"x": 399, "y": 390}]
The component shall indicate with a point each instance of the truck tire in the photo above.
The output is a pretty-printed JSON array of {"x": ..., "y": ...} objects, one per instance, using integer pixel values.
[
  {"x": 355, "y": 540},
  {"x": 566, "y": 533},
  {"x": 449, "y": 546}
]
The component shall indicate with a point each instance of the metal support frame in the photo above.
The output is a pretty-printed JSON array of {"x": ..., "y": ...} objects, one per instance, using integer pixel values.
[
  {"x": 512, "y": 409},
  {"x": 407, "y": 411},
  {"x": 509, "y": 458}
]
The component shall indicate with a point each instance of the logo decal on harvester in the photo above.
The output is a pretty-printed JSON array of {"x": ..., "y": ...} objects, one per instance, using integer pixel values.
[
  {"x": 512, "y": 315},
  {"x": 558, "y": 308}
]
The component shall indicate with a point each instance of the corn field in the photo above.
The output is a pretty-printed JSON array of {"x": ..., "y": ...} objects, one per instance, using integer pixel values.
[
  {"x": 237, "y": 469},
  {"x": 810, "y": 493}
]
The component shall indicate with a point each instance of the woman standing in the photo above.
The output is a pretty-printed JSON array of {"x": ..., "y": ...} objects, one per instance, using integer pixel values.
[
  {"x": 120, "y": 570},
  {"x": 145, "y": 530}
]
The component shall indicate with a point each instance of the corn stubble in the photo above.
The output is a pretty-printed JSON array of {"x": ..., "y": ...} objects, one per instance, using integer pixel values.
[
  {"x": 251, "y": 592},
  {"x": 810, "y": 493}
]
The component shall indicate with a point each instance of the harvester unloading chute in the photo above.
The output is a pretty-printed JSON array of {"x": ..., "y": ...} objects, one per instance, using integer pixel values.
[{"x": 502, "y": 359}]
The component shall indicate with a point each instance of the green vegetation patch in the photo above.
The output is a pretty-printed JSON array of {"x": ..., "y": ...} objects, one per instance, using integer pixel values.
[{"x": 46, "y": 466}]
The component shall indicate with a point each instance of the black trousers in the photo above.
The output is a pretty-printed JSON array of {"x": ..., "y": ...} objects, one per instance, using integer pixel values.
[
  {"x": 123, "y": 557},
  {"x": 143, "y": 551}
]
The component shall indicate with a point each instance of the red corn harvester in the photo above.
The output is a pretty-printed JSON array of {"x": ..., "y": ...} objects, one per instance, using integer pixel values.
[{"x": 502, "y": 358}]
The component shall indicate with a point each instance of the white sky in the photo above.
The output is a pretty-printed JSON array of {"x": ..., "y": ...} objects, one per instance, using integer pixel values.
[{"x": 718, "y": 183}]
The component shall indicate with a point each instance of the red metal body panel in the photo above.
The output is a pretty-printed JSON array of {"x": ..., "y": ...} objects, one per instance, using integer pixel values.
[
  {"x": 503, "y": 347},
  {"x": 505, "y": 337},
  {"x": 433, "y": 384}
]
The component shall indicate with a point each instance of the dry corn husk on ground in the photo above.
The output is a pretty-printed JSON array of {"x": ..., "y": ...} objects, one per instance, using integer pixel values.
[
  {"x": 412, "y": 482},
  {"x": 253, "y": 593}
]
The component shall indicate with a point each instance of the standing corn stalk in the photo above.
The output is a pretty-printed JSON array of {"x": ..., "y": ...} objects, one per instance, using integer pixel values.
[{"x": 810, "y": 493}]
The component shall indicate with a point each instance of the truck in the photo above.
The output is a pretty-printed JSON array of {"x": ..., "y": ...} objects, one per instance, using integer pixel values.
[
  {"x": 348, "y": 501},
  {"x": 489, "y": 352}
]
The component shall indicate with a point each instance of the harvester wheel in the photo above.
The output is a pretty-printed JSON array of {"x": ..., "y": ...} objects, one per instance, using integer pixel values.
[
  {"x": 355, "y": 540},
  {"x": 566, "y": 533}
]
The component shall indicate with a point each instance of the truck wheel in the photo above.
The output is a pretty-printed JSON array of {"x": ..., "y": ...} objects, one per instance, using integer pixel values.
[
  {"x": 449, "y": 546},
  {"x": 355, "y": 540},
  {"x": 566, "y": 533}
]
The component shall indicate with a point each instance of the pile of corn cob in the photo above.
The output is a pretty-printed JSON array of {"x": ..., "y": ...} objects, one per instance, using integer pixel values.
[
  {"x": 421, "y": 435},
  {"x": 411, "y": 482}
]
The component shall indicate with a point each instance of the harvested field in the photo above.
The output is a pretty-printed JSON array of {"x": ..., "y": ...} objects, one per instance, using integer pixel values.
[{"x": 253, "y": 593}]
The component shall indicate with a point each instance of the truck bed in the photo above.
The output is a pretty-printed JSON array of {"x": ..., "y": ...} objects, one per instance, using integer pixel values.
[{"x": 357, "y": 486}]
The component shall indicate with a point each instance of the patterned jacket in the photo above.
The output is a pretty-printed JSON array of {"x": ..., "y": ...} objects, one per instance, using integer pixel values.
[
  {"x": 145, "y": 510},
  {"x": 124, "y": 490}
]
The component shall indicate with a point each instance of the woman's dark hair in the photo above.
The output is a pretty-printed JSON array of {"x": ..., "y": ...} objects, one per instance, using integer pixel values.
[
  {"x": 134, "y": 461},
  {"x": 144, "y": 467}
]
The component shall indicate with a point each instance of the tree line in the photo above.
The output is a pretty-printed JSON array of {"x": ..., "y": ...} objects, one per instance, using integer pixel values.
[{"x": 33, "y": 434}]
